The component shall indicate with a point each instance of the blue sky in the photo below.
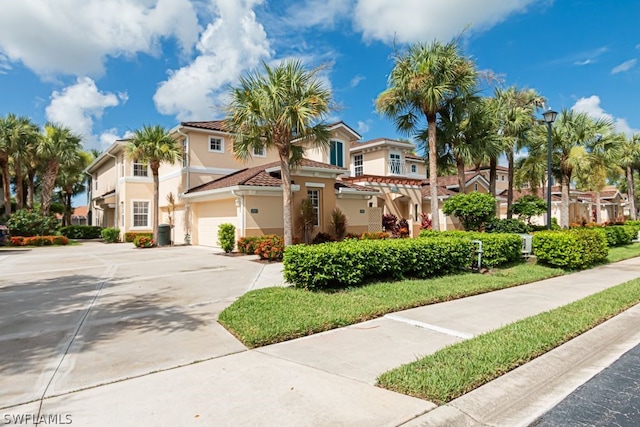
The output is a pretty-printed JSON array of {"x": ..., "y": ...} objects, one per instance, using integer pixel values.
[{"x": 106, "y": 67}]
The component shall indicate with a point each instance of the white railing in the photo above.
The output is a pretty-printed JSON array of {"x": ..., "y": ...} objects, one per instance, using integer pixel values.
[{"x": 397, "y": 167}]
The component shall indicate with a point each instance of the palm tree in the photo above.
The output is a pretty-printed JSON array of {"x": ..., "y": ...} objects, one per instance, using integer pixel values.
[
  {"x": 59, "y": 146},
  {"x": 26, "y": 135},
  {"x": 153, "y": 145},
  {"x": 273, "y": 109},
  {"x": 71, "y": 179},
  {"x": 423, "y": 79},
  {"x": 629, "y": 158},
  {"x": 7, "y": 125},
  {"x": 514, "y": 111}
]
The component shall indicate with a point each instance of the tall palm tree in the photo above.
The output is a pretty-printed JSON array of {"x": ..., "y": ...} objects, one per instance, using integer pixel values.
[
  {"x": 7, "y": 125},
  {"x": 273, "y": 109},
  {"x": 26, "y": 136},
  {"x": 423, "y": 79},
  {"x": 629, "y": 158},
  {"x": 59, "y": 146},
  {"x": 514, "y": 111},
  {"x": 71, "y": 179},
  {"x": 153, "y": 145}
]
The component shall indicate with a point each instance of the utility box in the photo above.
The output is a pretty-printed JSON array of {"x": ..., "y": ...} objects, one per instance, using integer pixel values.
[
  {"x": 527, "y": 245},
  {"x": 164, "y": 235}
]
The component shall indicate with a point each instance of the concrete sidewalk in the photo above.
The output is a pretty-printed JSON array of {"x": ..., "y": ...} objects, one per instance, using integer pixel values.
[{"x": 327, "y": 379}]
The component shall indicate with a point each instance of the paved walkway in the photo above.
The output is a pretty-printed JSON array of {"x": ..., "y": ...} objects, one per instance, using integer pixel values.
[{"x": 327, "y": 379}]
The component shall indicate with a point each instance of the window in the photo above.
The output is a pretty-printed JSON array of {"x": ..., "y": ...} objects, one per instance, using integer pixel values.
[
  {"x": 336, "y": 153},
  {"x": 475, "y": 187},
  {"x": 259, "y": 152},
  {"x": 358, "y": 165},
  {"x": 140, "y": 169},
  {"x": 395, "y": 164},
  {"x": 314, "y": 195},
  {"x": 414, "y": 169},
  {"x": 501, "y": 177},
  {"x": 216, "y": 145},
  {"x": 141, "y": 214}
]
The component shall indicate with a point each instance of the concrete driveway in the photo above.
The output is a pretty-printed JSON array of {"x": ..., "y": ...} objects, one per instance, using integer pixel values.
[{"x": 80, "y": 316}]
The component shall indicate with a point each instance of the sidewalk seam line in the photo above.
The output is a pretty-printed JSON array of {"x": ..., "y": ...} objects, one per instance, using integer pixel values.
[{"x": 428, "y": 326}]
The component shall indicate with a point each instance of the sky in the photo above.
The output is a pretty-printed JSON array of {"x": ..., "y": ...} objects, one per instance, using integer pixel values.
[{"x": 106, "y": 67}]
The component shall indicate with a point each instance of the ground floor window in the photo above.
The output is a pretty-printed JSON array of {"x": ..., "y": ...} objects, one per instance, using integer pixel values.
[
  {"x": 314, "y": 196},
  {"x": 141, "y": 214}
]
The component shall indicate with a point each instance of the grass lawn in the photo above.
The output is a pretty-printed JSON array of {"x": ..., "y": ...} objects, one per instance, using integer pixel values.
[
  {"x": 486, "y": 357},
  {"x": 271, "y": 315}
]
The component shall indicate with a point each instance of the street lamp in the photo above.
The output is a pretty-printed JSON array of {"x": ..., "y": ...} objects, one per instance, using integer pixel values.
[{"x": 549, "y": 118}]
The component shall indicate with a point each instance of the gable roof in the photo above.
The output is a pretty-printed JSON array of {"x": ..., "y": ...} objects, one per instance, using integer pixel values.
[
  {"x": 451, "y": 181},
  {"x": 382, "y": 142},
  {"x": 208, "y": 125},
  {"x": 517, "y": 194}
]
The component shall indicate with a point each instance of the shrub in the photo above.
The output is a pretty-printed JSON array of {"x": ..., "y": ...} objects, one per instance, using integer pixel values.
[
  {"x": 130, "y": 236},
  {"x": 322, "y": 238},
  {"x": 17, "y": 241},
  {"x": 507, "y": 225},
  {"x": 619, "y": 235},
  {"x": 571, "y": 249},
  {"x": 38, "y": 241},
  {"x": 350, "y": 262},
  {"x": 143, "y": 241},
  {"x": 81, "y": 231},
  {"x": 339, "y": 223},
  {"x": 270, "y": 247},
  {"x": 306, "y": 219},
  {"x": 32, "y": 223},
  {"x": 497, "y": 248},
  {"x": 110, "y": 235},
  {"x": 389, "y": 223},
  {"x": 474, "y": 209},
  {"x": 374, "y": 235},
  {"x": 352, "y": 236},
  {"x": 426, "y": 223},
  {"x": 248, "y": 245},
  {"x": 227, "y": 237},
  {"x": 554, "y": 226},
  {"x": 527, "y": 206}
]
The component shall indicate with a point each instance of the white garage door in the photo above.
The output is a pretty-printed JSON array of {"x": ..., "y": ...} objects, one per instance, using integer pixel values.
[{"x": 210, "y": 216}]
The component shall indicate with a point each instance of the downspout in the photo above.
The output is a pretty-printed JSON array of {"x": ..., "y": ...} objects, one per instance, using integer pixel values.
[
  {"x": 116, "y": 220},
  {"x": 187, "y": 163},
  {"x": 187, "y": 205}
]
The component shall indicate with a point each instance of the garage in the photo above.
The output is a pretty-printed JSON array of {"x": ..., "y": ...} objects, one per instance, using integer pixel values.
[{"x": 209, "y": 217}]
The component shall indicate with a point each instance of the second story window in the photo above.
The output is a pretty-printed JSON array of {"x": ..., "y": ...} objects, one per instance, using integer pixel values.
[
  {"x": 259, "y": 152},
  {"x": 336, "y": 153},
  {"x": 395, "y": 164},
  {"x": 358, "y": 165},
  {"x": 216, "y": 144},
  {"x": 414, "y": 169},
  {"x": 140, "y": 169}
]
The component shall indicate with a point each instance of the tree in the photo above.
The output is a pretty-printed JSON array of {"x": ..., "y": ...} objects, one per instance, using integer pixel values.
[
  {"x": 514, "y": 111},
  {"x": 629, "y": 158},
  {"x": 474, "y": 209},
  {"x": 423, "y": 79},
  {"x": 528, "y": 206},
  {"x": 153, "y": 145},
  {"x": 71, "y": 179},
  {"x": 6, "y": 133},
  {"x": 58, "y": 146},
  {"x": 285, "y": 103}
]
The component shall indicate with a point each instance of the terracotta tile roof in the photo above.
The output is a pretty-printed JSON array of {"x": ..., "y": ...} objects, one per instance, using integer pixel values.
[
  {"x": 411, "y": 156},
  {"x": 442, "y": 192},
  {"x": 604, "y": 195},
  {"x": 526, "y": 191},
  {"x": 486, "y": 167},
  {"x": 80, "y": 211},
  {"x": 257, "y": 176},
  {"x": 342, "y": 184},
  {"x": 445, "y": 181},
  {"x": 209, "y": 125},
  {"x": 383, "y": 179}
]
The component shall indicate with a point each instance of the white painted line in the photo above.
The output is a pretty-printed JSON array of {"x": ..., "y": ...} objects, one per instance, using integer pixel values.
[{"x": 428, "y": 326}]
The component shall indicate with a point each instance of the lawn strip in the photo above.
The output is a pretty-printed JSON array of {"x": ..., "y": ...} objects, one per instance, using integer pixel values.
[
  {"x": 457, "y": 369},
  {"x": 271, "y": 315}
]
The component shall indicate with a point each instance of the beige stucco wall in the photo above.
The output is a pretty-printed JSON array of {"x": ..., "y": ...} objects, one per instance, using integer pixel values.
[
  {"x": 268, "y": 217},
  {"x": 356, "y": 212},
  {"x": 421, "y": 168},
  {"x": 374, "y": 162}
]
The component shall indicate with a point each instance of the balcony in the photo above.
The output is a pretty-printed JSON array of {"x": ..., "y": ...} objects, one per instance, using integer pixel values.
[{"x": 397, "y": 167}]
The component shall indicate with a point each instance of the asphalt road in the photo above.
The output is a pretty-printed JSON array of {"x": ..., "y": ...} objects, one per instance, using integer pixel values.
[{"x": 611, "y": 398}]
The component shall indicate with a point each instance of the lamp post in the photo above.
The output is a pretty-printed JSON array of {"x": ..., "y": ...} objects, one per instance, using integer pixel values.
[{"x": 549, "y": 118}]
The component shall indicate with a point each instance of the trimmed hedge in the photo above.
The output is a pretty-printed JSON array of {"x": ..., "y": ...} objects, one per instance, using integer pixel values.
[
  {"x": 497, "y": 248},
  {"x": 573, "y": 249},
  {"x": 110, "y": 235},
  {"x": 38, "y": 241},
  {"x": 351, "y": 262},
  {"x": 81, "y": 231},
  {"x": 131, "y": 236}
]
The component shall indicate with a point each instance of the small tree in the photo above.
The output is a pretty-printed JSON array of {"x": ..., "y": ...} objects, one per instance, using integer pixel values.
[
  {"x": 306, "y": 219},
  {"x": 528, "y": 206},
  {"x": 339, "y": 223},
  {"x": 473, "y": 209},
  {"x": 227, "y": 237}
]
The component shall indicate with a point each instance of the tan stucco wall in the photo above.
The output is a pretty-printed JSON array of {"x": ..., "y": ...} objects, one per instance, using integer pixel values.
[
  {"x": 351, "y": 208},
  {"x": 375, "y": 162},
  {"x": 269, "y": 215}
]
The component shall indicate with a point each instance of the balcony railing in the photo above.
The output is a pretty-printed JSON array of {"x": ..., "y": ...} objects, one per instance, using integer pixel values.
[{"x": 397, "y": 167}]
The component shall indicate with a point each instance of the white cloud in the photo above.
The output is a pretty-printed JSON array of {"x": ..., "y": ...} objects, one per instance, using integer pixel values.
[
  {"x": 625, "y": 66},
  {"x": 322, "y": 13},
  {"x": 424, "y": 20},
  {"x": 76, "y": 36},
  {"x": 591, "y": 106},
  {"x": 231, "y": 44},
  {"x": 356, "y": 80},
  {"x": 109, "y": 136},
  {"x": 77, "y": 106},
  {"x": 363, "y": 127}
]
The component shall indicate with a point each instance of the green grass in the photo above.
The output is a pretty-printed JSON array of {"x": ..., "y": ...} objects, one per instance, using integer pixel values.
[
  {"x": 272, "y": 315},
  {"x": 460, "y": 368}
]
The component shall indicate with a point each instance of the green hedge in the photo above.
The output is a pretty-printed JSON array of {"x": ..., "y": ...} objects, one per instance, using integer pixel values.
[
  {"x": 497, "y": 248},
  {"x": 573, "y": 249},
  {"x": 81, "y": 231},
  {"x": 351, "y": 262},
  {"x": 110, "y": 235}
]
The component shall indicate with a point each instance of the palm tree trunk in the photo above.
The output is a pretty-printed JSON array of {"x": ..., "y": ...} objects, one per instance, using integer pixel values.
[
  {"x": 598, "y": 208},
  {"x": 564, "y": 210},
  {"x": 6, "y": 192},
  {"x": 156, "y": 201},
  {"x": 433, "y": 172},
  {"x": 510, "y": 183},
  {"x": 31, "y": 187},
  {"x": 461, "y": 180},
  {"x": 67, "y": 205},
  {"x": 631, "y": 194},
  {"x": 287, "y": 211},
  {"x": 19, "y": 183},
  {"x": 493, "y": 175},
  {"x": 48, "y": 183}
]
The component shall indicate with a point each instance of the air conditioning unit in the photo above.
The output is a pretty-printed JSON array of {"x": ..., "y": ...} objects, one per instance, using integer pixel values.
[{"x": 527, "y": 245}]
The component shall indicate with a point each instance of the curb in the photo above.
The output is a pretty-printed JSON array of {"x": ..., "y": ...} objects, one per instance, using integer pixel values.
[{"x": 521, "y": 396}]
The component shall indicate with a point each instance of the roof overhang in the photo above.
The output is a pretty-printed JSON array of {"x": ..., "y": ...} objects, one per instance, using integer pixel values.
[{"x": 234, "y": 191}]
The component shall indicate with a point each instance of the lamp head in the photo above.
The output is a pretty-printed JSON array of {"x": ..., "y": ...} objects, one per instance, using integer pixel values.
[{"x": 550, "y": 116}]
